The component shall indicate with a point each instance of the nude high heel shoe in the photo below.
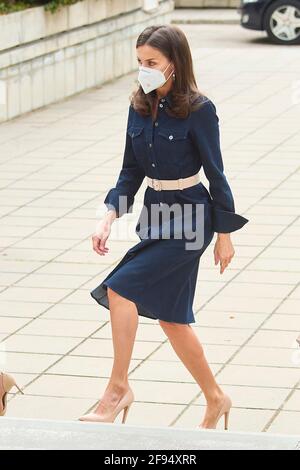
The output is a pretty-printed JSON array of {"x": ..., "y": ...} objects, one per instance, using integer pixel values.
[
  {"x": 6, "y": 383},
  {"x": 124, "y": 404},
  {"x": 225, "y": 409}
]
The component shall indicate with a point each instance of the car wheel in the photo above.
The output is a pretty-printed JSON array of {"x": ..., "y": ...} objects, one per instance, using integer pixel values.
[{"x": 282, "y": 22}]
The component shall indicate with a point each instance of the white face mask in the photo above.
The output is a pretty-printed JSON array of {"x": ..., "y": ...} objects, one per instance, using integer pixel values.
[{"x": 150, "y": 78}]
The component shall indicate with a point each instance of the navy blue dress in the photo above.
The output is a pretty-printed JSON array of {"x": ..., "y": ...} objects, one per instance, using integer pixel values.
[{"x": 159, "y": 273}]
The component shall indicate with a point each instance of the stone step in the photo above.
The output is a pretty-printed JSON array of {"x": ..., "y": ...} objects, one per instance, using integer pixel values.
[
  {"x": 21, "y": 433},
  {"x": 205, "y": 16}
]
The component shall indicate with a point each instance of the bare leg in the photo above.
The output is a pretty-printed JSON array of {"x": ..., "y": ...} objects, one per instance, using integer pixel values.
[
  {"x": 124, "y": 323},
  {"x": 189, "y": 349}
]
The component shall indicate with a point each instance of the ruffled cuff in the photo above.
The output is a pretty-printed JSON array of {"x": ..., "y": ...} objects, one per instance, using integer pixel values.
[
  {"x": 121, "y": 203},
  {"x": 226, "y": 221}
]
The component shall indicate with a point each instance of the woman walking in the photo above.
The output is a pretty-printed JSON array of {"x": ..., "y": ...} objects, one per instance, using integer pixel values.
[{"x": 172, "y": 131}]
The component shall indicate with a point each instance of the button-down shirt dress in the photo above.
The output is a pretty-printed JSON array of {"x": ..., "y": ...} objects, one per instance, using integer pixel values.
[{"x": 159, "y": 273}]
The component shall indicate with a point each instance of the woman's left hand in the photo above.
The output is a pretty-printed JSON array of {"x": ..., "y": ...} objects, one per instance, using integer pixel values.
[{"x": 223, "y": 251}]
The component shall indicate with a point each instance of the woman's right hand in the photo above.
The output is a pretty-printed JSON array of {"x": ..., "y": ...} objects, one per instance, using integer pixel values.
[{"x": 102, "y": 233}]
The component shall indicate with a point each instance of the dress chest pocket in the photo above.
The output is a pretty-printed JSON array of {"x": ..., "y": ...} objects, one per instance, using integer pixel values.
[
  {"x": 172, "y": 144},
  {"x": 138, "y": 140}
]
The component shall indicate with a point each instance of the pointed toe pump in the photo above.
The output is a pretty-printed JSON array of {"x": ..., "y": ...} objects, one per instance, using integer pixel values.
[
  {"x": 225, "y": 409},
  {"x": 7, "y": 381},
  {"x": 124, "y": 404}
]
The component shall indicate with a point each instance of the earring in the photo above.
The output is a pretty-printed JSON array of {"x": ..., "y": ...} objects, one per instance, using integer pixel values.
[{"x": 173, "y": 76}]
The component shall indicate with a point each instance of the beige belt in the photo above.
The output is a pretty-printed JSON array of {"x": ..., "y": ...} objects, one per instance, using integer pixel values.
[{"x": 181, "y": 183}]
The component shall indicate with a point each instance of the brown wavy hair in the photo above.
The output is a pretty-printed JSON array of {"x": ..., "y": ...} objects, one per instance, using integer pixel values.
[{"x": 172, "y": 43}]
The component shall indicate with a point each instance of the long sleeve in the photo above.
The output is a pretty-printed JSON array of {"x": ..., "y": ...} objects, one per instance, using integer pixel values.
[
  {"x": 121, "y": 197},
  {"x": 206, "y": 135}
]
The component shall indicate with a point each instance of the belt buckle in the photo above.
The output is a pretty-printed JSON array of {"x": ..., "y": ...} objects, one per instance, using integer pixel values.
[{"x": 156, "y": 184}]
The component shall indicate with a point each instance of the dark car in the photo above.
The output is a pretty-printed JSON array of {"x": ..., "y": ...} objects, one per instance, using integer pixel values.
[{"x": 279, "y": 18}]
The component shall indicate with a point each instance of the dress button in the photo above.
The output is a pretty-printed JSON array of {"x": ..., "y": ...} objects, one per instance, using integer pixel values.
[
  {"x": 156, "y": 124},
  {"x": 170, "y": 137},
  {"x": 150, "y": 145},
  {"x": 153, "y": 164},
  {"x": 161, "y": 105}
]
